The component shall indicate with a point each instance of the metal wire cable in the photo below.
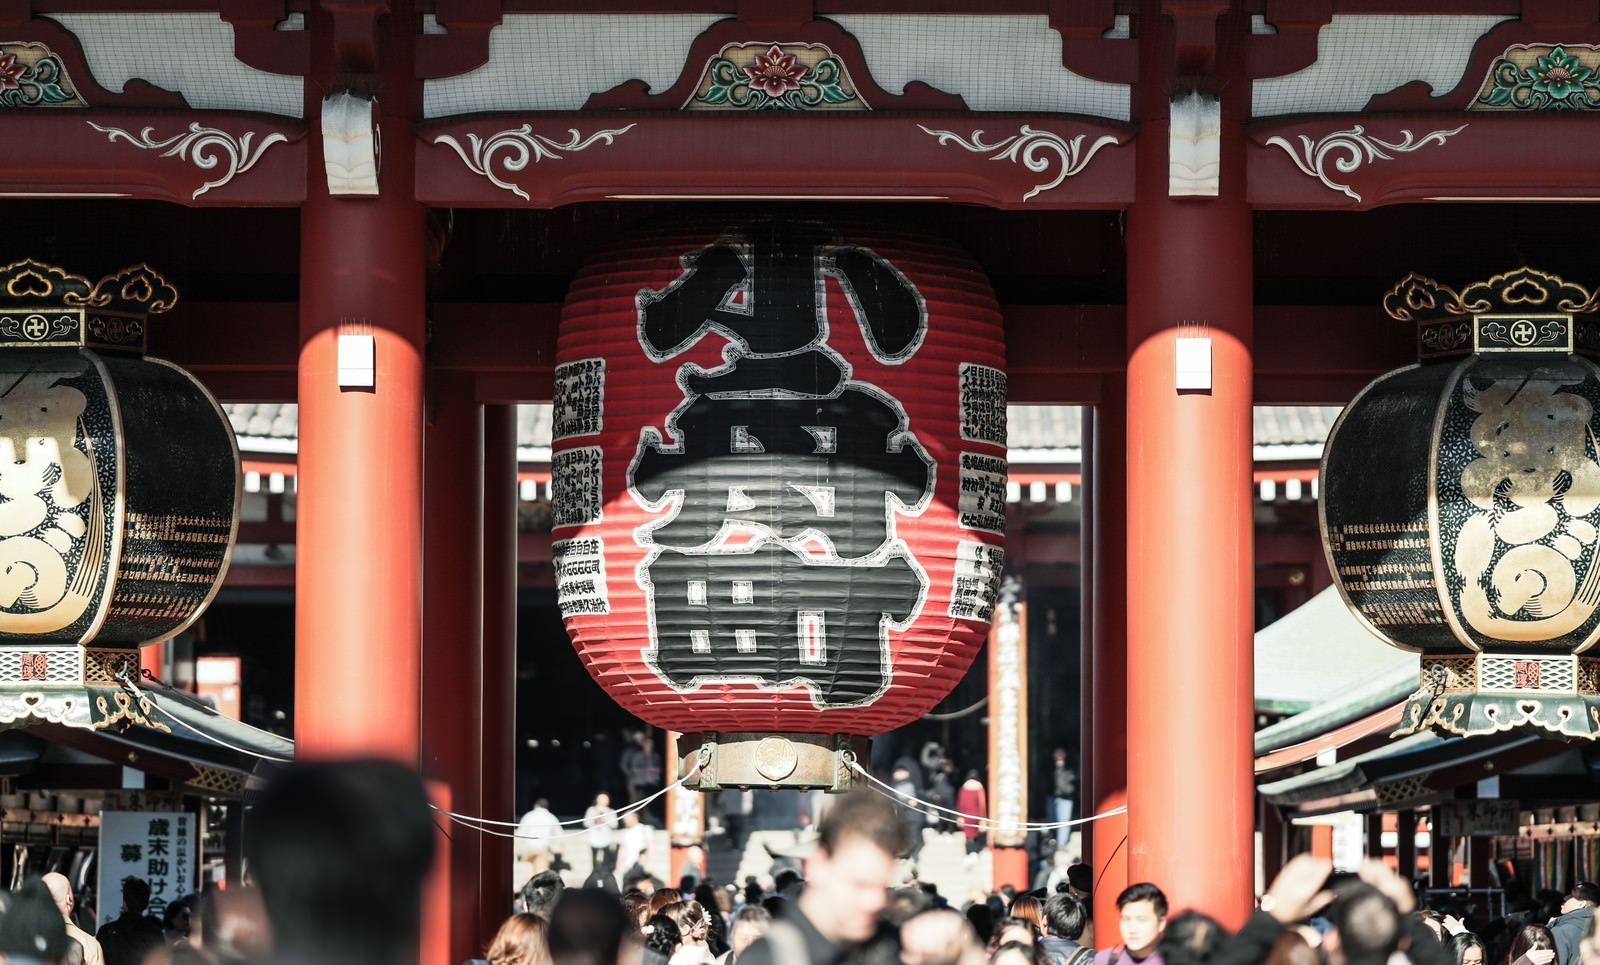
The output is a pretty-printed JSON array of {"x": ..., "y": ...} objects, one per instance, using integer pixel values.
[
  {"x": 484, "y": 825},
  {"x": 986, "y": 823},
  {"x": 123, "y": 674}
]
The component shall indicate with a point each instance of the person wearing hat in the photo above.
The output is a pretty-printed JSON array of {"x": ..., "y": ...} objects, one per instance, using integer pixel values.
[
  {"x": 1080, "y": 881},
  {"x": 32, "y": 931}
]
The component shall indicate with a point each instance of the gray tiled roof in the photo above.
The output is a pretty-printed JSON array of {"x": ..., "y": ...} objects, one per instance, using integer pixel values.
[
  {"x": 1030, "y": 426},
  {"x": 1289, "y": 425},
  {"x": 264, "y": 421},
  {"x": 1044, "y": 426}
]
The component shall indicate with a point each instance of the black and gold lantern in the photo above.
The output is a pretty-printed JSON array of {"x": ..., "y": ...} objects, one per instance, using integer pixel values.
[
  {"x": 119, "y": 494},
  {"x": 1461, "y": 505}
]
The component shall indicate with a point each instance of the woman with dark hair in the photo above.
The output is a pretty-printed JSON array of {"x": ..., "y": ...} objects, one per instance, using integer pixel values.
[
  {"x": 715, "y": 901},
  {"x": 1011, "y": 931},
  {"x": 1534, "y": 945},
  {"x": 1467, "y": 949},
  {"x": 691, "y": 919},
  {"x": 661, "y": 940},
  {"x": 1018, "y": 953},
  {"x": 1191, "y": 938}
]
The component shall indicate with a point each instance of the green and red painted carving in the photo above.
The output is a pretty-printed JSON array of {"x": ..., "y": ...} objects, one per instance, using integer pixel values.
[
  {"x": 1524, "y": 79},
  {"x": 34, "y": 81},
  {"x": 775, "y": 81}
]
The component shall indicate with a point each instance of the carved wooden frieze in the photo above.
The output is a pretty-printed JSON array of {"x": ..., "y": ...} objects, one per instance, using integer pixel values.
[
  {"x": 43, "y": 66},
  {"x": 32, "y": 75},
  {"x": 1008, "y": 160},
  {"x": 734, "y": 66},
  {"x": 1517, "y": 66}
]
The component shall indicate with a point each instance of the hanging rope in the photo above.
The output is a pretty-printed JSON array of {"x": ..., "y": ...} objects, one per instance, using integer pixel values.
[
  {"x": 953, "y": 715},
  {"x": 128, "y": 681},
  {"x": 983, "y": 822},
  {"x": 484, "y": 825}
]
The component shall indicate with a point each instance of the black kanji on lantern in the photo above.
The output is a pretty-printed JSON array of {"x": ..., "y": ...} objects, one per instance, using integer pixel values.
[
  {"x": 773, "y": 616},
  {"x": 761, "y": 286},
  {"x": 781, "y": 445},
  {"x": 790, "y": 465}
]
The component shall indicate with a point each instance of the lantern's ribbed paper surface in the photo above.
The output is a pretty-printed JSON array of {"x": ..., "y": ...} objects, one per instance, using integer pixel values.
[{"x": 779, "y": 474}]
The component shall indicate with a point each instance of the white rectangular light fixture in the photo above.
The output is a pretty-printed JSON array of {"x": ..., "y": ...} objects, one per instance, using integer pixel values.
[
  {"x": 357, "y": 362},
  {"x": 1194, "y": 363}
]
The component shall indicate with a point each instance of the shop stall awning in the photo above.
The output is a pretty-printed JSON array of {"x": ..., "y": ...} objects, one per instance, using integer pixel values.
[
  {"x": 1319, "y": 652},
  {"x": 1408, "y": 771},
  {"x": 1374, "y": 725},
  {"x": 202, "y": 751}
]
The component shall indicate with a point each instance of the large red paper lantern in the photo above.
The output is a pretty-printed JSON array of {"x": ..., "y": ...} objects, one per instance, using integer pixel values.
[{"x": 779, "y": 475}]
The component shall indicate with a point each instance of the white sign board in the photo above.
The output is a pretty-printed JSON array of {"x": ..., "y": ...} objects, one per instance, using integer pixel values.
[{"x": 158, "y": 846}]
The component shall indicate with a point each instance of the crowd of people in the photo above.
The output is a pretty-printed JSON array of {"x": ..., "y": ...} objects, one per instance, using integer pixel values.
[
  {"x": 340, "y": 851},
  {"x": 842, "y": 908}
]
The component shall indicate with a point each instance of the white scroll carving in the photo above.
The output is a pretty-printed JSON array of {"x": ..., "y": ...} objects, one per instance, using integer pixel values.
[
  {"x": 1349, "y": 150},
  {"x": 1027, "y": 147},
  {"x": 519, "y": 148},
  {"x": 207, "y": 148}
]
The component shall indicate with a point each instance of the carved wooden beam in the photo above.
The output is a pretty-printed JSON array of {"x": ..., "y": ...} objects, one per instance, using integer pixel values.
[
  {"x": 355, "y": 32},
  {"x": 1359, "y": 161},
  {"x": 1085, "y": 49},
  {"x": 192, "y": 158},
  {"x": 258, "y": 42},
  {"x": 465, "y": 46},
  {"x": 998, "y": 159}
]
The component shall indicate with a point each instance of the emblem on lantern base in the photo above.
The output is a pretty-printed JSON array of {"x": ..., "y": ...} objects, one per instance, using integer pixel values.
[{"x": 804, "y": 761}]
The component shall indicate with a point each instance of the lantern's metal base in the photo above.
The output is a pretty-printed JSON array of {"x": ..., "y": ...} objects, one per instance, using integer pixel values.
[
  {"x": 1493, "y": 692},
  {"x": 750, "y": 760}
]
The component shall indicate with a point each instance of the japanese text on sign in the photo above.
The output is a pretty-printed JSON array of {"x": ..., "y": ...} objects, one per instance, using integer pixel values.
[{"x": 158, "y": 846}]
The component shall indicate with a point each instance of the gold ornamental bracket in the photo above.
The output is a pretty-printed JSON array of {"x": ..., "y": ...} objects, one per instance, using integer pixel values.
[
  {"x": 43, "y": 306},
  {"x": 1519, "y": 311},
  {"x": 1489, "y": 693}
]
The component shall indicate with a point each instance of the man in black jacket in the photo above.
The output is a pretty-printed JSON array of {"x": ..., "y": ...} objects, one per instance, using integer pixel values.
[
  {"x": 1064, "y": 918},
  {"x": 128, "y": 939},
  {"x": 1577, "y": 911},
  {"x": 836, "y": 917}
]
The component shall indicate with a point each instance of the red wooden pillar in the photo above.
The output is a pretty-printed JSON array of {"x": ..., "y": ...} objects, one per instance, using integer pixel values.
[
  {"x": 1191, "y": 795},
  {"x": 1405, "y": 845},
  {"x": 1008, "y": 738},
  {"x": 358, "y": 573},
  {"x": 1273, "y": 841},
  {"x": 686, "y": 821},
  {"x": 1375, "y": 835},
  {"x": 1322, "y": 841},
  {"x": 435, "y": 925},
  {"x": 452, "y": 638},
  {"x": 499, "y": 655},
  {"x": 1086, "y": 584},
  {"x": 1441, "y": 858},
  {"x": 1479, "y": 853},
  {"x": 1106, "y": 682}
]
